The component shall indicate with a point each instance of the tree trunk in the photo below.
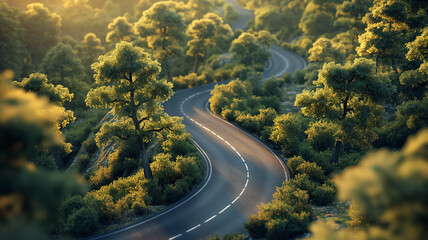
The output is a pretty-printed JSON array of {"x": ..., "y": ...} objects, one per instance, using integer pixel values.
[
  {"x": 145, "y": 159},
  {"x": 335, "y": 154},
  {"x": 196, "y": 63}
]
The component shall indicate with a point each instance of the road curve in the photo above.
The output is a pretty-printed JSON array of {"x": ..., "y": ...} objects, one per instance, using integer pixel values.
[{"x": 241, "y": 172}]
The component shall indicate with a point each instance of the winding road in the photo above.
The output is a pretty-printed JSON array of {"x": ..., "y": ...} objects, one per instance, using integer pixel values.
[{"x": 241, "y": 172}]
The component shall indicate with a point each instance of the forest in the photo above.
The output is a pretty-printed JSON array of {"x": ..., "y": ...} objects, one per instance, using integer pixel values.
[{"x": 87, "y": 145}]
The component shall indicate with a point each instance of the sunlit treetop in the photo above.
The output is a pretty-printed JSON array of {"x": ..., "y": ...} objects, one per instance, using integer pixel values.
[
  {"x": 26, "y": 121},
  {"x": 38, "y": 84},
  {"x": 120, "y": 30}
]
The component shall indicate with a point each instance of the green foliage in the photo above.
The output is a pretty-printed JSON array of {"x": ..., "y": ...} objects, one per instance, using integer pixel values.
[
  {"x": 321, "y": 135},
  {"x": 120, "y": 30},
  {"x": 89, "y": 49},
  {"x": 293, "y": 163},
  {"x": 42, "y": 30},
  {"x": 288, "y": 215},
  {"x": 349, "y": 96},
  {"x": 26, "y": 122},
  {"x": 83, "y": 222},
  {"x": 38, "y": 84},
  {"x": 314, "y": 172},
  {"x": 299, "y": 76},
  {"x": 129, "y": 86},
  {"x": 316, "y": 20},
  {"x": 61, "y": 61},
  {"x": 11, "y": 40},
  {"x": 204, "y": 34},
  {"x": 387, "y": 189},
  {"x": 230, "y": 14},
  {"x": 188, "y": 81},
  {"x": 162, "y": 27},
  {"x": 288, "y": 132},
  {"x": 248, "y": 50},
  {"x": 324, "y": 50},
  {"x": 323, "y": 195}
]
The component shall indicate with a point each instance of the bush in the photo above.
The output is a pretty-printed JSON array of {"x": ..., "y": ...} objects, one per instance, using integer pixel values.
[
  {"x": 256, "y": 226},
  {"x": 82, "y": 223},
  {"x": 323, "y": 195},
  {"x": 293, "y": 163},
  {"x": 139, "y": 209},
  {"x": 322, "y": 135},
  {"x": 299, "y": 76},
  {"x": 101, "y": 177},
  {"x": 314, "y": 172}
]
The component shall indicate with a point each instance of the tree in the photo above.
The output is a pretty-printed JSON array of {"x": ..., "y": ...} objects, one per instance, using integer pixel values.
[
  {"x": 389, "y": 189},
  {"x": 317, "y": 19},
  {"x": 198, "y": 8},
  {"x": 42, "y": 29},
  {"x": 204, "y": 33},
  {"x": 249, "y": 51},
  {"x": 61, "y": 61},
  {"x": 162, "y": 27},
  {"x": 11, "y": 40},
  {"x": 89, "y": 49},
  {"x": 349, "y": 96},
  {"x": 350, "y": 16},
  {"x": 323, "y": 50},
  {"x": 130, "y": 87},
  {"x": 120, "y": 30},
  {"x": 78, "y": 18},
  {"x": 29, "y": 204},
  {"x": 384, "y": 38},
  {"x": 288, "y": 132},
  {"x": 37, "y": 83}
]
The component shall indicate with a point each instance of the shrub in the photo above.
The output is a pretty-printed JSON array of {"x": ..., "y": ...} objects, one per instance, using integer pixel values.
[
  {"x": 256, "y": 226},
  {"x": 164, "y": 169},
  {"x": 314, "y": 172},
  {"x": 288, "y": 132},
  {"x": 321, "y": 135},
  {"x": 101, "y": 177},
  {"x": 293, "y": 163},
  {"x": 302, "y": 181},
  {"x": 139, "y": 208},
  {"x": 82, "y": 223},
  {"x": 299, "y": 76},
  {"x": 323, "y": 195}
]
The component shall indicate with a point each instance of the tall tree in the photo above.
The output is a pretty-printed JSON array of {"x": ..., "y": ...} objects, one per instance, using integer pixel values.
[
  {"x": 204, "y": 33},
  {"x": 120, "y": 30},
  {"x": 89, "y": 50},
  {"x": 163, "y": 28},
  {"x": 348, "y": 96},
  {"x": 198, "y": 8},
  {"x": 11, "y": 40},
  {"x": 248, "y": 50},
  {"x": 42, "y": 29},
  {"x": 130, "y": 87},
  {"x": 384, "y": 39},
  {"x": 61, "y": 61}
]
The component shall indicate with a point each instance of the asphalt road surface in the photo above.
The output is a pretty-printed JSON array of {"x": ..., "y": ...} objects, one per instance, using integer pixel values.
[{"x": 241, "y": 172}]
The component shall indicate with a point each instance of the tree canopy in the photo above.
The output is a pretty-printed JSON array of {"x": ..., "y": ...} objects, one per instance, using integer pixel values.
[{"x": 129, "y": 86}]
